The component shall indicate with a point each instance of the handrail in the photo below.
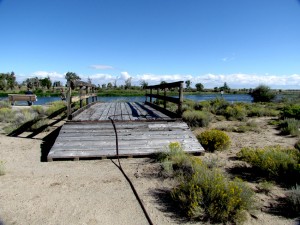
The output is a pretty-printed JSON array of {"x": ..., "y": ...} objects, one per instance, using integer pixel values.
[
  {"x": 89, "y": 92},
  {"x": 166, "y": 86}
]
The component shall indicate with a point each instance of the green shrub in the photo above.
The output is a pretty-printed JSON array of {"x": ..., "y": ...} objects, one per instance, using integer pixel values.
[
  {"x": 7, "y": 115},
  {"x": 293, "y": 199},
  {"x": 196, "y": 118},
  {"x": 203, "y": 192},
  {"x": 203, "y": 106},
  {"x": 2, "y": 168},
  {"x": 274, "y": 161},
  {"x": 259, "y": 111},
  {"x": 291, "y": 111},
  {"x": 235, "y": 112},
  {"x": 262, "y": 93},
  {"x": 290, "y": 126},
  {"x": 208, "y": 194},
  {"x": 214, "y": 140},
  {"x": 218, "y": 106}
]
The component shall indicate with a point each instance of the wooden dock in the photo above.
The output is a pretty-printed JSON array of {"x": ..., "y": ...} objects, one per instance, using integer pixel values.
[{"x": 141, "y": 130}]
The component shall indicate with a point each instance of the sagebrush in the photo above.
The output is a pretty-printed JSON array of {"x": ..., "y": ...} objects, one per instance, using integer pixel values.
[{"x": 214, "y": 140}]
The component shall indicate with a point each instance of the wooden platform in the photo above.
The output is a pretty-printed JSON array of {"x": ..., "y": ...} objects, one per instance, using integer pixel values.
[
  {"x": 142, "y": 131},
  {"x": 120, "y": 111}
]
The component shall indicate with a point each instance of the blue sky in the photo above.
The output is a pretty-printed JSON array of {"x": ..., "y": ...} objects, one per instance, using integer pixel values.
[{"x": 244, "y": 43}]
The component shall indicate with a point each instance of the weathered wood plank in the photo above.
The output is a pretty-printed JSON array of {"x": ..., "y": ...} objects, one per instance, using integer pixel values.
[{"x": 145, "y": 131}]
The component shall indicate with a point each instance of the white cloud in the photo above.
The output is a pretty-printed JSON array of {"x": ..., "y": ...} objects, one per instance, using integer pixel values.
[
  {"x": 102, "y": 67},
  {"x": 124, "y": 76}
]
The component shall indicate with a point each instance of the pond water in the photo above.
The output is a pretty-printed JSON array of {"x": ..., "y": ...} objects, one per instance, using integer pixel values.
[{"x": 202, "y": 97}]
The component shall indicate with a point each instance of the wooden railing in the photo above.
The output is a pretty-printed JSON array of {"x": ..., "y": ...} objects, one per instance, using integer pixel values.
[
  {"x": 164, "y": 88},
  {"x": 86, "y": 90}
]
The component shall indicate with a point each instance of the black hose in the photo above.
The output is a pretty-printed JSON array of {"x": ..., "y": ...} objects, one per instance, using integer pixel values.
[{"x": 127, "y": 178}]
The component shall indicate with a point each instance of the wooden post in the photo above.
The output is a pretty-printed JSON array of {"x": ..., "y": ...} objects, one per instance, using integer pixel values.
[
  {"x": 87, "y": 93},
  {"x": 180, "y": 99},
  {"x": 80, "y": 96},
  {"x": 165, "y": 94},
  {"x": 69, "y": 99}
]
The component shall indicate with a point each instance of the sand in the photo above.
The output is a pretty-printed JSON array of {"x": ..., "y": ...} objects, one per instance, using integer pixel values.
[{"x": 95, "y": 191}]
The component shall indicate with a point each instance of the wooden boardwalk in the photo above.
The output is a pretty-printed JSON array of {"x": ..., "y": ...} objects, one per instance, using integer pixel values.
[{"x": 141, "y": 130}]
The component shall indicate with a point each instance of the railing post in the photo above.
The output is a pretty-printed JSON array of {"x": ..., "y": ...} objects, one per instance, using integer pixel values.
[
  {"x": 69, "y": 99},
  {"x": 165, "y": 94},
  {"x": 150, "y": 95},
  {"x": 87, "y": 93},
  {"x": 180, "y": 98},
  {"x": 80, "y": 96}
]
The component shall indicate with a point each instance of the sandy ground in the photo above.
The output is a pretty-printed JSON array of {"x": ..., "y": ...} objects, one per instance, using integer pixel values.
[{"x": 95, "y": 191}]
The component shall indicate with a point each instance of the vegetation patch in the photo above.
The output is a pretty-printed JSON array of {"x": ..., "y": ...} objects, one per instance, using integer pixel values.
[
  {"x": 291, "y": 111},
  {"x": 274, "y": 162},
  {"x": 214, "y": 140},
  {"x": 205, "y": 193},
  {"x": 196, "y": 118},
  {"x": 290, "y": 126}
]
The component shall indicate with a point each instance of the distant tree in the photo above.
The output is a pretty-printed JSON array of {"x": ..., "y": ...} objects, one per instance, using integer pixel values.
[
  {"x": 109, "y": 85},
  {"x": 103, "y": 86},
  {"x": 11, "y": 80},
  {"x": 143, "y": 84},
  {"x": 216, "y": 89},
  {"x": 262, "y": 93},
  {"x": 199, "y": 87},
  {"x": 46, "y": 82},
  {"x": 115, "y": 83},
  {"x": 72, "y": 76},
  {"x": 128, "y": 83},
  {"x": 36, "y": 82},
  {"x": 3, "y": 81},
  {"x": 188, "y": 84},
  {"x": 225, "y": 88}
]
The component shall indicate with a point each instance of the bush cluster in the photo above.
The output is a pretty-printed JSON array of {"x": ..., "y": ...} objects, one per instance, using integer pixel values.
[
  {"x": 291, "y": 111},
  {"x": 204, "y": 192},
  {"x": 236, "y": 112},
  {"x": 290, "y": 126},
  {"x": 274, "y": 161},
  {"x": 196, "y": 118},
  {"x": 262, "y": 93},
  {"x": 214, "y": 140}
]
